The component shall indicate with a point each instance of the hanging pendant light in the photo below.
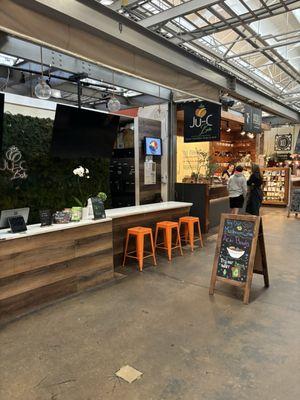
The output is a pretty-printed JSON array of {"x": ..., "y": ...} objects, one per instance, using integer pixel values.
[
  {"x": 42, "y": 90},
  {"x": 114, "y": 104}
]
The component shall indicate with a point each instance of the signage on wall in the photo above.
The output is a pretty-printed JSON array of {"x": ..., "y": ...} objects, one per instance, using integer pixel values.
[
  {"x": 13, "y": 164},
  {"x": 202, "y": 121},
  {"x": 240, "y": 252},
  {"x": 149, "y": 173},
  {"x": 283, "y": 142},
  {"x": 252, "y": 119}
]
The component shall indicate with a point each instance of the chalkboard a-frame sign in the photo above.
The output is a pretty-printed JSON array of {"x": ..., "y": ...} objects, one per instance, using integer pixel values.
[{"x": 240, "y": 252}]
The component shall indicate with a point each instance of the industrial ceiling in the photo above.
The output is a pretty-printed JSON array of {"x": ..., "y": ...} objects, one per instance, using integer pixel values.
[{"x": 256, "y": 40}]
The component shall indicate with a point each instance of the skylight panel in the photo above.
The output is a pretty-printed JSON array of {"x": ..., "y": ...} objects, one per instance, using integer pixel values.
[
  {"x": 195, "y": 19},
  {"x": 184, "y": 23},
  {"x": 236, "y": 6},
  {"x": 9, "y": 61},
  {"x": 150, "y": 8},
  {"x": 161, "y": 4}
]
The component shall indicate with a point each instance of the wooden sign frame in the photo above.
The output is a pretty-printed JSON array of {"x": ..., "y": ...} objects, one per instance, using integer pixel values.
[{"x": 257, "y": 256}]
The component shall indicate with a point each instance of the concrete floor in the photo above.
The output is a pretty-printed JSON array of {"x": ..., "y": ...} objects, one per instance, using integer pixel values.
[{"x": 190, "y": 346}]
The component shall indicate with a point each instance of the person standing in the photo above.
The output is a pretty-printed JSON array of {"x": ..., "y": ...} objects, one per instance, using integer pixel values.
[
  {"x": 237, "y": 189},
  {"x": 255, "y": 195},
  {"x": 226, "y": 174}
]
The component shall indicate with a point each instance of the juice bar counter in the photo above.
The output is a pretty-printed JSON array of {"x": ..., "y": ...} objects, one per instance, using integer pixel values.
[
  {"x": 48, "y": 263},
  {"x": 45, "y": 264},
  {"x": 209, "y": 202}
]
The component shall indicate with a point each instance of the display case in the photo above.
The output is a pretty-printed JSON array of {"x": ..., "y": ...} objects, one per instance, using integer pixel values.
[{"x": 276, "y": 186}]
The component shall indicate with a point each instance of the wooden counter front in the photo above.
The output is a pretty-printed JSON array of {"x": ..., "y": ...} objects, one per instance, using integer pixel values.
[
  {"x": 148, "y": 219},
  {"x": 44, "y": 267}
]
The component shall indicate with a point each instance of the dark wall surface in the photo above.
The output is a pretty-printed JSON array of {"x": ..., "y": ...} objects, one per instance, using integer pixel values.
[{"x": 50, "y": 182}]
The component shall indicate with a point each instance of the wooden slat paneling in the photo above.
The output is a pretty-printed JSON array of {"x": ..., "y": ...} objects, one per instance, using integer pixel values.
[{"x": 42, "y": 268}]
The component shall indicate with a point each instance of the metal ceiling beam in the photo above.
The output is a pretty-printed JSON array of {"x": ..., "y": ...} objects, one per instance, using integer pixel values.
[
  {"x": 31, "y": 52},
  {"x": 103, "y": 22},
  {"x": 175, "y": 12},
  {"x": 285, "y": 67},
  {"x": 264, "y": 48},
  {"x": 235, "y": 21},
  {"x": 118, "y": 4},
  {"x": 275, "y": 121}
]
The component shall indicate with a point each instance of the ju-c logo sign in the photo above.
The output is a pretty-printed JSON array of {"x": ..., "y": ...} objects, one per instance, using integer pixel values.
[
  {"x": 202, "y": 121},
  {"x": 201, "y": 118}
]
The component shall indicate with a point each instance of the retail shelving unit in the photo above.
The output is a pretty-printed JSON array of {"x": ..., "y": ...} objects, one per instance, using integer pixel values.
[{"x": 276, "y": 186}]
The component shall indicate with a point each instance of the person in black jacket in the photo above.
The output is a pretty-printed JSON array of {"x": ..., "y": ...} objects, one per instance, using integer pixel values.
[
  {"x": 255, "y": 195},
  {"x": 226, "y": 174}
]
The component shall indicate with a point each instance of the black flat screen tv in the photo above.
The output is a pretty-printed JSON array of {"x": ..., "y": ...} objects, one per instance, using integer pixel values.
[
  {"x": 81, "y": 133},
  {"x": 1, "y": 118}
]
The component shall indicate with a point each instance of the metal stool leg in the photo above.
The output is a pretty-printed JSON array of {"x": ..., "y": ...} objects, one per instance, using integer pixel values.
[
  {"x": 179, "y": 241},
  {"x": 140, "y": 250},
  {"x": 126, "y": 248},
  {"x": 153, "y": 249},
  {"x": 168, "y": 238},
  {"x": 200, "y": 234}
]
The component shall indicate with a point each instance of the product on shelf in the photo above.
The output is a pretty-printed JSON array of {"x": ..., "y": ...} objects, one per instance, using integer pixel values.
[{"x": 275, "y": 186}]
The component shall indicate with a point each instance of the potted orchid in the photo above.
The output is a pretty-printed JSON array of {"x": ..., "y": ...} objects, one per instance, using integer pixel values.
[{"x": 77, "y": 212}]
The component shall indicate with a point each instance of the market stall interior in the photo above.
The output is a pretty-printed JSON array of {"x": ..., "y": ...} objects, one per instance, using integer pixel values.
[
  {"x": 82, "y": 159},
  {"x": 200, "y": 164}
]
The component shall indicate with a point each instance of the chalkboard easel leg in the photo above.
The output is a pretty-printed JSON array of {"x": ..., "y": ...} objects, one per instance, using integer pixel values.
[
  {"x": 212, "y": 285},
  {"x": 246, "y": 294}
]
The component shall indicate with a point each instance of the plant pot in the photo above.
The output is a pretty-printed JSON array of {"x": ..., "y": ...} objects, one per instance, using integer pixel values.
[
  {"x": 76, "y": 214},
  {"x": 85, "y": 213}
]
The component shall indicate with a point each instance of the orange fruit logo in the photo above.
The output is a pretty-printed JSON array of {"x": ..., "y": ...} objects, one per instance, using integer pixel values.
[{"x": 200, "y": 112}]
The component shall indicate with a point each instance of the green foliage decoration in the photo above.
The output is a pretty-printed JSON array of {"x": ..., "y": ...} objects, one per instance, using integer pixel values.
[{"x": 51, "y": 183}]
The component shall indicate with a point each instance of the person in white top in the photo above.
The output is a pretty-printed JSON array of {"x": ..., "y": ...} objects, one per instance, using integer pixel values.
[{"x": 237, "y": 189}]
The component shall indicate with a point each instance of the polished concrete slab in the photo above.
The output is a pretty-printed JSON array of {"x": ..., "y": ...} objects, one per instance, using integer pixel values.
[{"x": 188, "y": 345}]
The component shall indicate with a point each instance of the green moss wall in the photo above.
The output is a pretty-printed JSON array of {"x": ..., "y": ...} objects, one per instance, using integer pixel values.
[{"x": 50, "y": 183}]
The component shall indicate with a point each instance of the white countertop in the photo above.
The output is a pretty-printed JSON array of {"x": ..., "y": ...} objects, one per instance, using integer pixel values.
[
  {"x": 146, "y": 208},
  {"x": 110, "y": 214},
  {"x": 37, "y": 229}
]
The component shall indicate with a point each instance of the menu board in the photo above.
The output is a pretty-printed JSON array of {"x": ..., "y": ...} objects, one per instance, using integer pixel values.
[
  {"x": 252, "y": 119},
  {"x": 98, "y": 208},
  {"x": 235, "y": 249},
  {"x": 275, "y": 185},
  {"x": 46, "y": 217},
  {"x": 240, "y": 252}
]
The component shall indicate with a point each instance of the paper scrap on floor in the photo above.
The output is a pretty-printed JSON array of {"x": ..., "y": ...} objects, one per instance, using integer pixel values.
[{"x": 128, "y": 373}]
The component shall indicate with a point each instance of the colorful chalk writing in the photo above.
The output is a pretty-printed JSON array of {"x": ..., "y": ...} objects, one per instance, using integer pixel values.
[{"x": 235, "y": 249}]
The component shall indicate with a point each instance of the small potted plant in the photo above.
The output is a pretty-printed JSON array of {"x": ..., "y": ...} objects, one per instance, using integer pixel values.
[{"x": 102, "y": 196}]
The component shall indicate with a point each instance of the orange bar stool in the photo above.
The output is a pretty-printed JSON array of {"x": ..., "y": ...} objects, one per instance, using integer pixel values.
[
  {"x": 167, "y": 227},
  {"x": 139, "y": 232},
  {"x": 189, "y": 230}
]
